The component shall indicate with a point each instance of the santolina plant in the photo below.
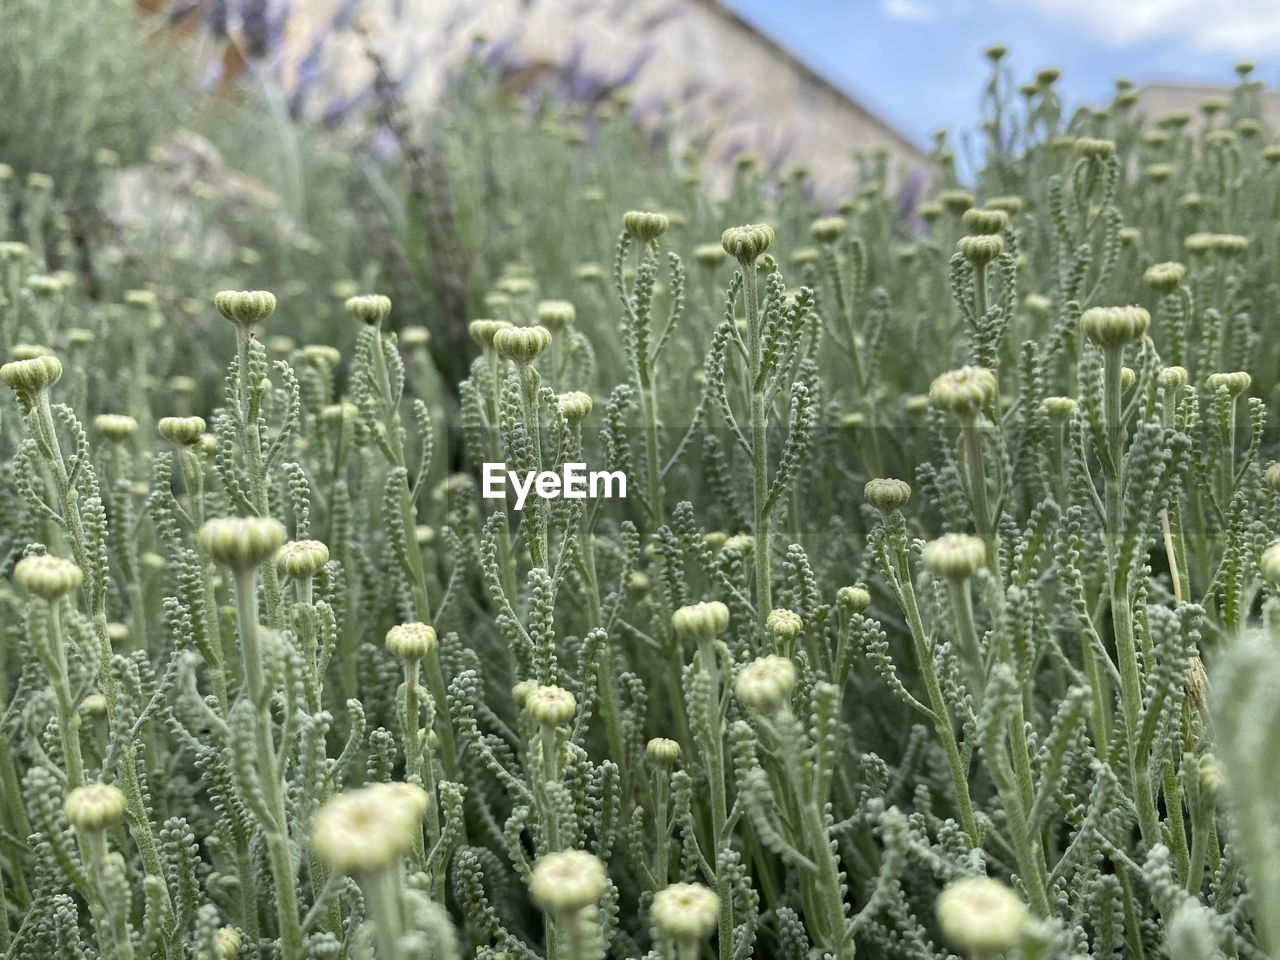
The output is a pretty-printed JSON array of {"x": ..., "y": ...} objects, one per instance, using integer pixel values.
[{"x": 939, "y": 616}]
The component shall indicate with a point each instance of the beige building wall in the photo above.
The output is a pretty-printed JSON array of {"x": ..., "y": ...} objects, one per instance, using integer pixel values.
[
  {"x": 1157, "y": 98},
  {"x": 709, "y": 67}
]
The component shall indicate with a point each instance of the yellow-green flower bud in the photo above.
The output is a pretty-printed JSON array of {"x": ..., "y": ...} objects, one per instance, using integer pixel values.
[
  {"x": 46, "y": 577},
  {"x": 701, "y": 621},
  {"x": 1095, "y": 149},
  {"x": 956, "y": 201},
  {"x": 1269, "y": 564},
  {"x": 370, "y": 309},
  {"x": 78, "y": 337},
  {"x": 483, "y": 331},
  {"x": 1112, "y": 327},
  {"x": 415, "y": 338},
  {"x": 980, "y": 916},
  {"x": 575, "y": 406},
  {"x": 117, "y": 633},
  {"x": 411, "y": 641},
  {"x": 1229, "y": 244},
  {"x": 828, "y": 229},
  {"x": 783, "y": 624},
  {"x": 662, "y": 750},
  {"x": 116, "y": 427},
  {"x": 1234, "y": 383},
  {"x": 853, "y": 599},
  {"x": 980, "y": 249},
  {"x": 765, "y": 684},
  {"x": 367, "y": 830},
  {"x": 1164, "y": 277},
  {"x": 43, "y": 286},
  {"x": 955, "y": 556},
  {"x": 27, "y": 378},
  {"x": 1129, "y": 236},
  {"x": 522, "y": 344},
  {"x": 568, "y": 881},
  {"x": 930, "y": 212},
  {"x": 887, "y": 494},
  {"x": 556, "y": 314},
  {"x": 227, "y": 942},
  {"x": 245, "y": 308},
  {"x": 988, "y": 221},
  {"x": 96, "y": 806},
  {"x": 242, "y": 543},
  {"x": 1173, "y": 378},
  {"x": 742, "y": 543},
  {"x": 709, "y": 255},
  {"x": 646, "y": 226},
  {"x": 1159, "y": 172},
  {"x": 301, "y": 559},
  {"x": 963, "y": 392},
  {"x": 1010, "y": 205},
  {"x": 747, "y": 242},
  {"x": 1128, "y": 377},
  {"x": 551, "y": 706},
  {"x": 94, "y": 705},
  {"x": 1047, "y": 76},
  {"x": 184, "y": 431},
  {"x": 1058, "y": 409},
  {"x": 685, "y": 912},
  {"x": 1272, "y": 477},
  {"x": 321, "y": 355}
]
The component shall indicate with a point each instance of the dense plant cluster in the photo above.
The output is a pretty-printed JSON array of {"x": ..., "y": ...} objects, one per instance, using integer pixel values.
[{"x": 895, "y": 648}]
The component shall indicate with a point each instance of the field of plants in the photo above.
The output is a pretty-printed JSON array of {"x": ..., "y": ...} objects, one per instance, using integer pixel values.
[{"x": 941, "y": 616}]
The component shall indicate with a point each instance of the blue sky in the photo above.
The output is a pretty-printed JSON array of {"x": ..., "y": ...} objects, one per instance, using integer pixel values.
[{"x": 919, "y": 65}]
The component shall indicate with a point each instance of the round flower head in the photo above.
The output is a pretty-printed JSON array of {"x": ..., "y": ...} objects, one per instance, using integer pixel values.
[
  {"x": 1269, "y": 564},
  {"x": 644, "y": 225},
  {"x": 49, "y": 578},
  {"x": 1111, "y": 327},
  {"x": 1272, "y": 477},
  {"x": 1011, "y": 205},
  {"x": 242, "y": 543},
  {"x": 1198, "y": 243},
  {"x": 522, "y": 344},
  {"x": 828, "y": 229},
  {"x": 366, "y": 830},
  {"x": 1229, "y": 244},
  {"x": 686, "y": 912},
  {"x": 784, "y": 624},
  {"x": 742, "y": 543},
  {"x": 1173, "y": 378},
  {"x": 1164, "y": 277},
  {"x": 321, "y": 355},
  {"x": 1058, "y": 409},
  {"x": 96, "y": 806},
  {"x": 44, "y": 286},
  {"x": 143, "y": 300},
  {"x": 980, "y": 249},
  {"x": 27, "y": 378},
  {"x": 483, "y": 331},
  {"x": 556, "y": 314},
  {"x": 954, "y": 555},
  {"x": 853, "y": 599},
  {"x": 370, "y": 309},
  {"x": 765, "y": 684},
  {"x": 1234, "y": 383},
  {"x": 988, "y": 221},
  {"x": 748, "y": 242},
  {"x": 78, "y": 337},
  {"x": 1094, "y": 149},
  {"x": 701, "y": 621},
  {"x": 662, "y": 750},
  {"x": 245, "y": 308},
  {"x": 415, "y": 338},
  {"x": 184, "y": 431},
  {"x": 551, "y": 706},
  {"x": 1047, "y": 76},
  {"x": 963, "y": 392},
  {"x": 568, "y": 881},
  {"x": 805, "y": 256},
  {"x": 94, "y": 705},
  {"x": 981, "y": 916},
  {"x": 115, "y": 426},
  {"x": 227, "y": 942},
  {"x": 520, "y": 692},
  {"x": 887, "y": 494},
  {"x": 709, "y": 255},
  {"x": 1129, "y": 236},
  {"x": 14, "y": 251},
  {"x": 956, "y": 201},
  {"x": 929, "y": 212},
  {"x": 1159, "y": 172},
  {"x": 411, "y": 641},
  {"x": 30, "y": 351},
  {"x": 301, "y": 559},
  {"x": 575, "y": 406}
]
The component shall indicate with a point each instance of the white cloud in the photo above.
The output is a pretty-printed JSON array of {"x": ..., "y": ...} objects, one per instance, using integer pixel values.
[
  {"x": 1239, "y": 27},
  {"x": 920, "y": 11}
]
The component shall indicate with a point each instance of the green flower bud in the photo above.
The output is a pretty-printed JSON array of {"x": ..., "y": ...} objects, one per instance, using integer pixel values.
[
  {"x": 663, "y": 751},
  {"x": 1159, "y": 172},
  {"x": 227, "y": 942},
  {"x": 1272, "y": 477},
  {"x": 1047, "y": 76},
  {"x": 96, "y": 806},
  {"x": 556, "y": 314},
  {"x": 805, "y": 256},
  {"x": 985, "y": 222},
  {"x": 43, "y": 286},
  {"x": 415, "y": 338},
  {"x": 78, "y": 337},
  {"x": 567, "y": 881},
  {"x": 709, "y": 255},
  {"x": 522, "y": 344},
  {"x": 424, "y": 534},
  {"x": 575, "y": 406},
  {"x": 367, "y": 830},
  {"x": 1229, "y": 244},
  {"x": 1037, "y": 304},
  {"x": 981, "y": 249},
  {"x": 117, "y": 633},
  {"x": 765, "y": 684},
  {"x": 242, "y": 543},
  {"x": 183, "y": 386},
  {"x": 483, "y": 331},
  {"x": 996, "y": 52},
  {"x": 301, "y": 559},
  {"x": 930, "y": 212},
  {"x": 184, "y": 431},
  {"x": 245, "y": 308},
  {"x": 748, "y": 242},
  {"x": 956, "y": 556},
  {"x": 320, "y": 355},
  {"x": 1094, "y": 149},
  {"x": 1129, "y": 236},
  {"x": 1269, "y": 564},
  {"x": 116, "y": 427},
  {"x": 1128, "y": 377},
  {"x": 281, "y": 344},
  {"x": 887, "y": 494},
  {"x": 27, "y": 378},
  {"x": 784, "y": 625},
  {"x": 94, "y": 705},
  {"x": 981, "y": 917},
  {"x": 1058, "y": 409},
  {"x": 49, "y": 578},
  {"x": 1164, "y": 277},
  {"x": 1010, "y": 205},
  {"x": 853, "y": 599},
  {"x": 143, "y": 301},
  {"x": 411, "y": 641},
  {"x": 828, "y": 229},
  {"x": 963, "y": 392},
  {"x": 1113, "y": 327},
  {"x": 701, "y": 621},
  {"x": 1234, "y": 383},
  {"x": 30, "y": 351},
  {"x": 686, "y": 912},
  {"x": 956, "y": 202},
  {"x": 1198, "y": 243},
  {"x": 644, "y": 225},
  {"x": 370, "y": 309},
  {"x": 551, "y": 706},
  {"x": 520, "y": 692},
  {"x": 742, "y": 543},
  {"x": 14, "y": 251}
]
